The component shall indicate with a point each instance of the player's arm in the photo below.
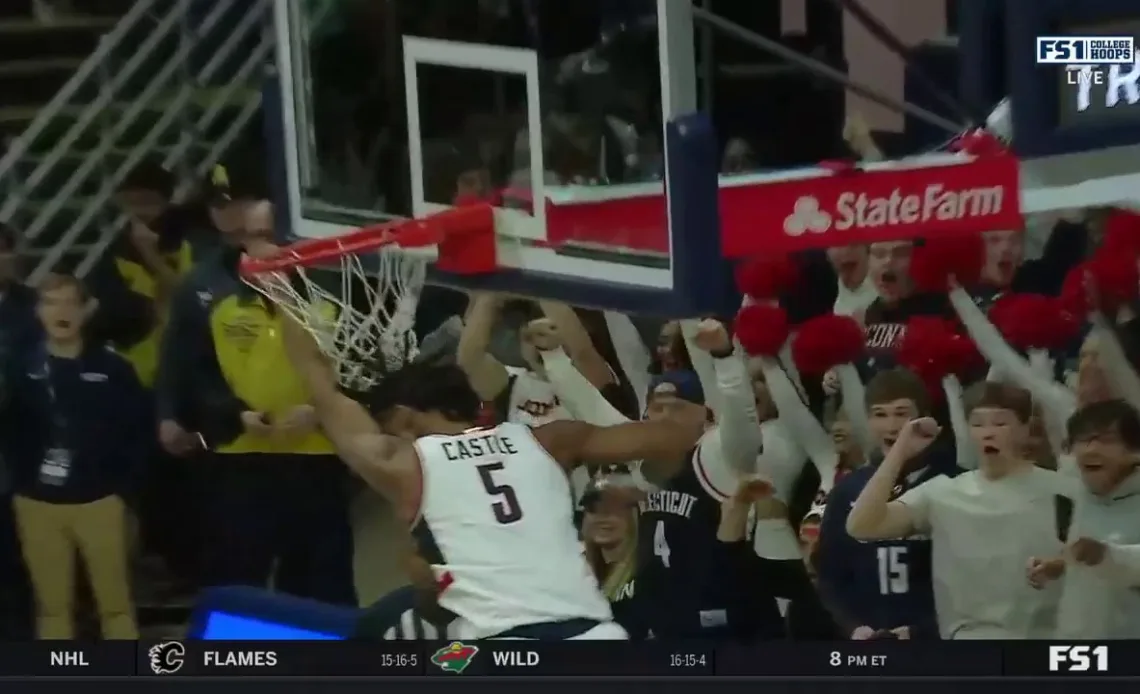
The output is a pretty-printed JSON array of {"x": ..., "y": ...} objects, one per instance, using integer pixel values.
[
  {"x": 579, "y": 396},
  {"x": 737, "y": 438},
  {"x": 487, "y": 376},
  {"x": 577, "y": 343},
  {"x": 664, "y": 446},
  {"x": 874, "y": 516},
  {"x": 382, "y": 461}
]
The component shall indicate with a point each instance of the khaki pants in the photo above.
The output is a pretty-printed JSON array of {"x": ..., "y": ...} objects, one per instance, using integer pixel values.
[{"x": 50, "y": 535}]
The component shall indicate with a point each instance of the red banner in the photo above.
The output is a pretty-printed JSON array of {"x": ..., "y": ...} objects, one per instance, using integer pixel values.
[
  {"x": 637, "y": 223},
  {"x": 828, "y": 209},
  {"x": 860, "y": 207}
]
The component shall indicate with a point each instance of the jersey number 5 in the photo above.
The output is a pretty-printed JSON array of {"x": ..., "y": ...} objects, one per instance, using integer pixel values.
[{"x": 506, "y": 507}]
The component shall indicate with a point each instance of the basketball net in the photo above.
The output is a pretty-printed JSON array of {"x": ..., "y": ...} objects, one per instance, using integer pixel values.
[
  {"x": 365, "y": 325},
  {"x": 363, "y": 317}
]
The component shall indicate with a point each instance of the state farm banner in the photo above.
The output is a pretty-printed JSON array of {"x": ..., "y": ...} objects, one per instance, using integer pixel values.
[{"x": 860, "y": 207}]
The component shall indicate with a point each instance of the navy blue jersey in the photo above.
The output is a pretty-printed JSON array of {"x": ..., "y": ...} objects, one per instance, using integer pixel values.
[
  {"x": 681, "y": 567},
  {"x": 884, "y": 584},
  {"x": 628, "y": 610}
]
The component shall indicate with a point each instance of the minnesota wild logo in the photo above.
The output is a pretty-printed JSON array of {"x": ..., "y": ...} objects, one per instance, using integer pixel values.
[{"x": 455, "y": 657}]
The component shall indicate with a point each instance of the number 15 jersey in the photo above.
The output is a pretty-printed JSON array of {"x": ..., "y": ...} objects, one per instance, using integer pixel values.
[{"x": 496, "y": 523}]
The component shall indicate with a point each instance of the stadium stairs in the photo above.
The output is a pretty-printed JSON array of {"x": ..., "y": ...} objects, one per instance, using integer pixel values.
[{"x": 88, "y": 88}]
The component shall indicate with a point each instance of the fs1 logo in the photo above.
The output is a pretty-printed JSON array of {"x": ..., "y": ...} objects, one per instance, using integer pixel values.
[
  {"x": 1086, "y": 50},
  {"x": 1078, "y": 658}
]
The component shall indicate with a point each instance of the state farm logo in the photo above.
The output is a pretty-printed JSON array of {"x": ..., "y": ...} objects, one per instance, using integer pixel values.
[
  {"x": 806, "y": 216},
  {"x": 862, "y": 211}
]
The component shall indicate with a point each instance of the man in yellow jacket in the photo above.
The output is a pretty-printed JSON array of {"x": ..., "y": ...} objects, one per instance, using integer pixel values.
[{"x": 274, "y": 493}]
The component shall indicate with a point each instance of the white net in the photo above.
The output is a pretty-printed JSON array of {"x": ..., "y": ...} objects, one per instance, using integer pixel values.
[{"x": 363, "y": 318}]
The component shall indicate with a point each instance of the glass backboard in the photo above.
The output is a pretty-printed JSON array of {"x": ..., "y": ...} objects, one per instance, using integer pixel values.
[{"x": 620, "y": 139}]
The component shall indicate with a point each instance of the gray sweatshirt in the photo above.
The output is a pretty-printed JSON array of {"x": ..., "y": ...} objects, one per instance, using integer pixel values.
[{"x": 1103, "y": 601}]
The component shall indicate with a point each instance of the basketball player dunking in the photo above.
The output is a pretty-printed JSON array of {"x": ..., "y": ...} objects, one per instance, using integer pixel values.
[{"x": 490, "y": 508}]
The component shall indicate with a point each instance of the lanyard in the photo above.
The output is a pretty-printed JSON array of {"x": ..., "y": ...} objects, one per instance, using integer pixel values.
[
  {"x": 50, "y": 386},
  {"x": 58, "y": 419}
]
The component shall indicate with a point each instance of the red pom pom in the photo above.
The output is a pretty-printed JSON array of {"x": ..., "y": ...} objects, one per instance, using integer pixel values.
[
  {"x": 1105, "y": 282},
  {"x": 1033, "y": 321},
  {"x": 1116, "y": 278},
  {"x": 937, "y": 260},
  {"x": 825, "y": 342},
  {"x": 1075, "y": 290},
  {"x": 933, "y": 348},
  {"x": 762, "y": 329},
  {"x": 1122, "y": 233},
  {"x": 767, "y": 278}
]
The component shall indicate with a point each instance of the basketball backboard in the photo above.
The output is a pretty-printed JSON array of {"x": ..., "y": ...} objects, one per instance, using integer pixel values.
[
  {"x": 605, "y": 171},
  {"x": 584, "y": 217}
]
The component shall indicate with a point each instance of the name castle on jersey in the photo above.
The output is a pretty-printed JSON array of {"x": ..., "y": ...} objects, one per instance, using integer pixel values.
[
  {"x": 675, "y": 503},
  {"x": 470, "y": 447},
  {"x": 476, "y": 521}
]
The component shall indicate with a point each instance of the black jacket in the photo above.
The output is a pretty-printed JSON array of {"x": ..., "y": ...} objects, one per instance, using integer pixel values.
[
  {"x": 191, "y": 388},
  {"x": 20, "y": 330},
  {"x": 126, "y": 317},
  {"x": 92, "y": 406}
]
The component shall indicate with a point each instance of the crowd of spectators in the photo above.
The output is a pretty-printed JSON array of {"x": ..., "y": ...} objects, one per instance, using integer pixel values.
[
  {"x": 239, "y": 487},
  {"x": 960, "y": 468}
]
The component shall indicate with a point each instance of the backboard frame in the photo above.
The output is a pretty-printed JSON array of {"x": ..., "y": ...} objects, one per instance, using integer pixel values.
[
  {"x": 702, "y": 280},
  {"x": 473, "y": 56}
]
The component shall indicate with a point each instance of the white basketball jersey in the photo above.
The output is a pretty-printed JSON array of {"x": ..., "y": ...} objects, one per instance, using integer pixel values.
[
  {"x": 497, "y": 524},
  {"x": 533, "y": 401}
]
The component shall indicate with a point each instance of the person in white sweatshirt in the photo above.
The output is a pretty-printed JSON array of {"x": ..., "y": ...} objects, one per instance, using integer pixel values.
[
  {"x": 983, "y": 524},
  {"x": 1103, "y": 371},
  {"x": 526, "y": 393},
  {"x": 856, "y": 290},
  {"x": 1100, "y": 569}
]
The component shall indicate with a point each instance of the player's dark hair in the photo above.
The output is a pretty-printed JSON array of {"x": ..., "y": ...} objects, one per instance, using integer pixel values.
[
  {"x": 1000, "y": 396},
  {"x": 897, "y": 384},
  {"x": 1102, "y": 417},
  {"x": 427, "y": 387}
]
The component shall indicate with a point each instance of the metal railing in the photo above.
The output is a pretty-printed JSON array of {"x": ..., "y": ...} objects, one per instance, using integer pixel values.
[
  {"x": 206, "y": 104},
  {"x": 67, "y": 92}
]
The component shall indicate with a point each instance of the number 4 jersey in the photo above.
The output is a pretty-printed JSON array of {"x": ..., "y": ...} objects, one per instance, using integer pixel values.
[
  {"x": 682, "y": 587},
  {"x": 497, "y": 524}
]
